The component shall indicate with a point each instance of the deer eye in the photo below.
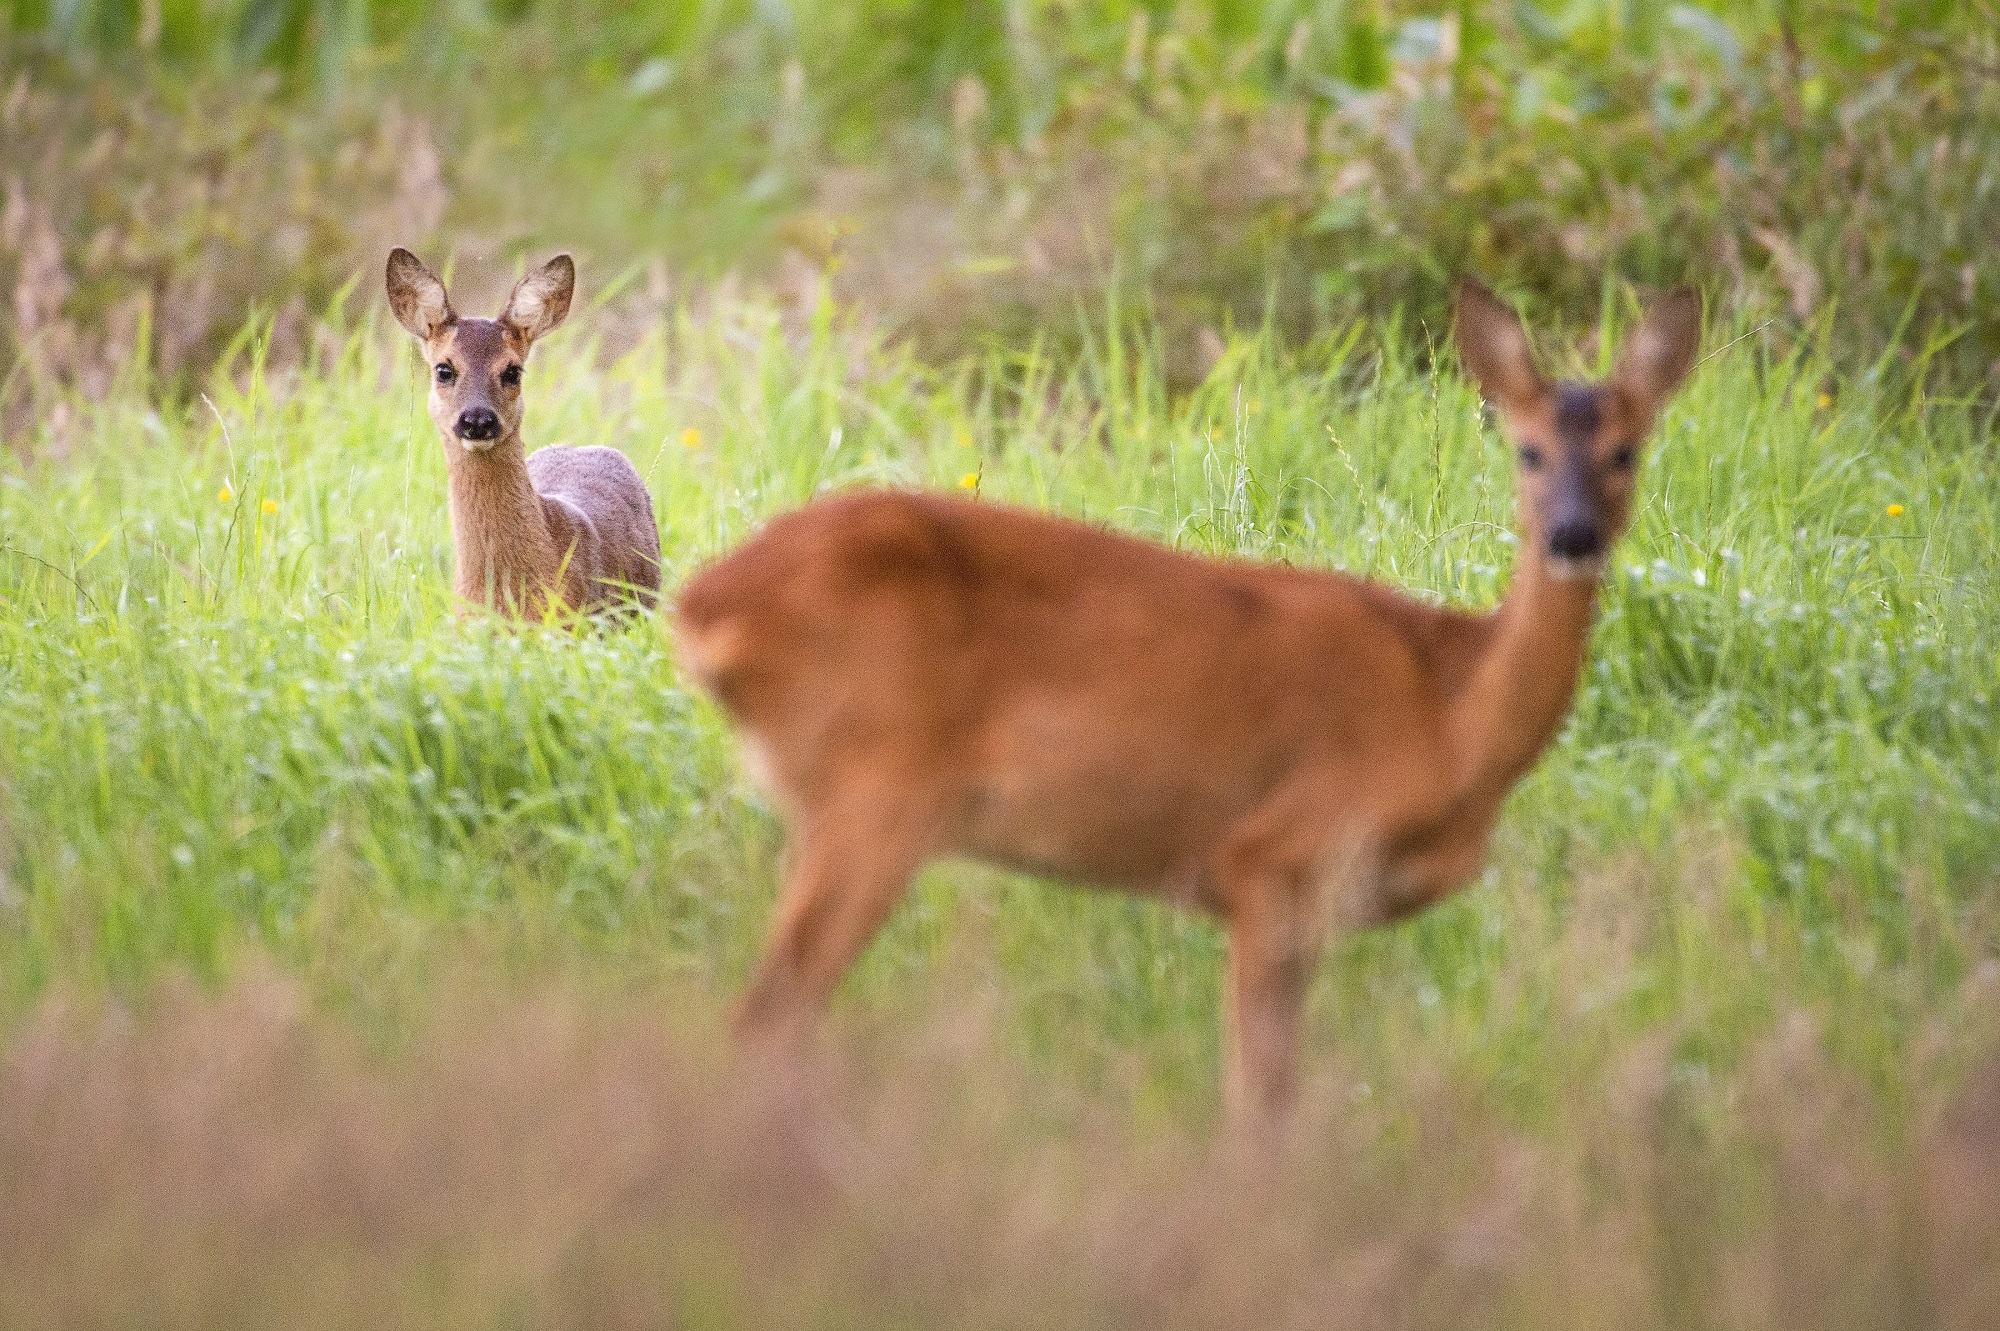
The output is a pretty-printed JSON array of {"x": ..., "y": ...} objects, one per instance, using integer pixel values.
[
  {"x": 511, "y": 376},
  {"x": 1531, "y": 457},
  {"x": 1624, "y": 458},
  {"x": 445, "y": 374}
]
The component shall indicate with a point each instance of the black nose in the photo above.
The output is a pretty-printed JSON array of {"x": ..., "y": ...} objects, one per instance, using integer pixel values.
[
  {"x": 1576, "y": 540},
  {"x": 476, "y": 423}
]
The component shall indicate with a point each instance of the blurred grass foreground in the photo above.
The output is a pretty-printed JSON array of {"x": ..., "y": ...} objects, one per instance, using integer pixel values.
[{"x": 363, "y": 965}]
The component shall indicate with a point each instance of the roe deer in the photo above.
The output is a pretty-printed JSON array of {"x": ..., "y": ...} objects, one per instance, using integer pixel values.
[
  {"x": 919, "y": 676},
  {"x": 572, "y": 524}
]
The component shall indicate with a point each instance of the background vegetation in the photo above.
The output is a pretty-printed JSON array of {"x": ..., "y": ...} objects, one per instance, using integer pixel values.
[
  {"x": 969, "y": 169},
  {"x": 360, "y": 963}
]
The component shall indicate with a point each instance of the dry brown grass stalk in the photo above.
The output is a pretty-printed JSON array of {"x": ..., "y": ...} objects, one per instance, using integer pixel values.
[{"x": 240, "y": 1158}]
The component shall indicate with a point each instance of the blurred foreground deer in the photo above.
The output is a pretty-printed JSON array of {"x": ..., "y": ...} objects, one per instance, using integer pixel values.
[
  {"x": 561, "y": 528},
  {"x": 917, "y": 676}
]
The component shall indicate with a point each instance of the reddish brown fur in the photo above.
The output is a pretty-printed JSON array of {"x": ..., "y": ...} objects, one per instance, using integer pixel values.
[
  {"x": 574, "y": 521},
  {"x": 922, "y": 676}
]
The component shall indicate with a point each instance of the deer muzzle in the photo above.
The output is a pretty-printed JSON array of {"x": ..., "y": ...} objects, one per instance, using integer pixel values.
[
  {"x": 476, "y": 426},
  {"x": 1576, "y": 539}
]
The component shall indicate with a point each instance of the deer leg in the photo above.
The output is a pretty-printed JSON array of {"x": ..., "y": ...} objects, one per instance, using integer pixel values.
[
  {"x": 1272, "y": 950},
  {"x": 849, "y": 869}
]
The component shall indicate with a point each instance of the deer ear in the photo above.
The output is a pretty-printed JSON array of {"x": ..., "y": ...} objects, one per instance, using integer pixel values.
[
  {"x": 1658, "y": 356},
  {"x": 417, "y": 296},
  {"x": 1493, "y": 345},
  {"x": 541, "y": 299}
]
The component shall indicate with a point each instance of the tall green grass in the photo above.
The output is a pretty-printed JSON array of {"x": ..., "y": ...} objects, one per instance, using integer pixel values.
[{"x": 241, "y": 717}]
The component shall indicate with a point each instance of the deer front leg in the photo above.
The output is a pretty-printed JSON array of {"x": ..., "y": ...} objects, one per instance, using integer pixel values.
[
  {"x": 850, "y": 866},
  {"x": 1273, "y": 948}
]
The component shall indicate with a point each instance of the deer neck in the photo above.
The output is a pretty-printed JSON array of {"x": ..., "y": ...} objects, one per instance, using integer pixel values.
[
  {"x": 500, "y": 536},
  {"x": 1520, "y": 686}
]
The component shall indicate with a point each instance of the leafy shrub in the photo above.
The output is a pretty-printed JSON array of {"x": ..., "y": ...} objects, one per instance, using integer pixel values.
[{"x": 971, "y": 169}]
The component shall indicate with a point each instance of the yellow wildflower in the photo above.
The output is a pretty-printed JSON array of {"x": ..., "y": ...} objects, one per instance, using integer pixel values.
[
  {"x": 269, "y": 506},
  {"x": 962, "y": 439},
  {"x": 1895, "y": 510},
  {"x": 691, "y": 437},
  {"x": 225, "y": 495},
  {"x": 1825, "y": 401},
  {"x": 969, "y": 481}
]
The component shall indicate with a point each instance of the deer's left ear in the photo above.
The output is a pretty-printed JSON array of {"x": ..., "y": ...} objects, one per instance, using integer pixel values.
[
  {"x": 541, "y": 299},
  {"x": 416, "y": 296},
  {"x": 1493, "y": 347},
  {"x": 1659, "y": 355}
]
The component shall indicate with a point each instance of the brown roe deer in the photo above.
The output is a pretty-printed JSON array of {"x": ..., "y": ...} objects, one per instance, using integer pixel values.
[
  {"x": 531, "y": 533},
  {"x": 919, "y": 676}
]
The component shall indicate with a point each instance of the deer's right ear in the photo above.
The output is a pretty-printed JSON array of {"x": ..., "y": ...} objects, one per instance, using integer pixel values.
[
  {"x": 417, "y": 296},
  {"x": 1660, "y": 354},
  {"x": 1493, "y": 346},
  {"x": 541, "y": 299}
]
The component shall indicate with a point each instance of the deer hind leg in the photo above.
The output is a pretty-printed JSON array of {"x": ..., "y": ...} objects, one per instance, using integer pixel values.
[{"x": 850, "y": 866}]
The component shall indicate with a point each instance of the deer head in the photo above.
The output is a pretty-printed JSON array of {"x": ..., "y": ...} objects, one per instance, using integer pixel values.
[
  {"x": 1578, "y": 444},
  {"x": 476, "y": 364}
]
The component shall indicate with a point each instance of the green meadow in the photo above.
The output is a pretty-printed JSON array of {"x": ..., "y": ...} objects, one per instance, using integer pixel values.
[
  {"x": 235, "y": 668},
  {"x": 248, "y": 733},
  {"x": 366, "y": 961},
  {"x": 245, "y": 718}
]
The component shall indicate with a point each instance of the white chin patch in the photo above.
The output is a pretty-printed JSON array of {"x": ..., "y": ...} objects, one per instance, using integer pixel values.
[
  {"x": 478, "y": 445},
  {"x": 1564, "y": 569},
  {"x": 757, "y": 762}
]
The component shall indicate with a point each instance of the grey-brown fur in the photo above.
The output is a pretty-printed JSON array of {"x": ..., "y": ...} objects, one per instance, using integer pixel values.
[{"x": 574, "y": 521}]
